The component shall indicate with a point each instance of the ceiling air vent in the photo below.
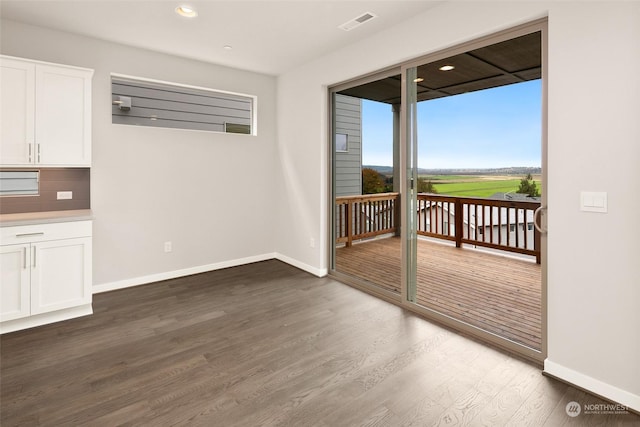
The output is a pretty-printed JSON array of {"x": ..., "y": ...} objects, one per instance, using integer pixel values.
[{"x": 356, "y": 22}]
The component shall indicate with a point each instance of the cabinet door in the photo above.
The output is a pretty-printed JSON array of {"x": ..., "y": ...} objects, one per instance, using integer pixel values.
[
  {"x": 15, "y": 271},
  {"x": 63, "y": 116},
  {"x": 17, "y": 111},
  {"x": 60, "y": 274}
]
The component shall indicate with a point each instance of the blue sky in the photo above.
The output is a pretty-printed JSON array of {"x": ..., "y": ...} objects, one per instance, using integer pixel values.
[{"x": 492, "y": 128}]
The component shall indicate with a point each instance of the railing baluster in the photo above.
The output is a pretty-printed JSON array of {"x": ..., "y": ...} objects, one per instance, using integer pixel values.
[
  {"x": 536, "y": 242},
  {"x": 508, "y": 226},
  {"x": 478, "y": 224},
  {"x": 468, "y": 226},
  {"x": 525, "y": 228},
  {"x": 491, "y": 224},
  {"x": 500, "y": 225},
  {"x": 517, "y": 229},
  {"x": 459, "y": 217},
  {"x": 349, "y": 226},
  {"x": 392, "y": 209},
  {"x": 385, "y": 206},
  {"x": 431, "y": 218}
]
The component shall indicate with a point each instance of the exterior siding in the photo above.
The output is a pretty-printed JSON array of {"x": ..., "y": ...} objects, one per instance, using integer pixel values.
[
  {"x": 348, "y": 165},
  {"x": 175, "y": 106}
]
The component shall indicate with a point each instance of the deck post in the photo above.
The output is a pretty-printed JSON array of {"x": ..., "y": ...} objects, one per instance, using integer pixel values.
[{"x": 459, "y": 222}]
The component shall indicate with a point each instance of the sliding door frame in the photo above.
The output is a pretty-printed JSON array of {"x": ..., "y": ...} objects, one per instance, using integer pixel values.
[
  {"x": 402, "y": 300},
  {"x": 331, "y": 156}
]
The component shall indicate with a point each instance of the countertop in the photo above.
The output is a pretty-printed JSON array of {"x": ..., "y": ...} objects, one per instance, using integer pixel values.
[{"x": 9, "y": 220}]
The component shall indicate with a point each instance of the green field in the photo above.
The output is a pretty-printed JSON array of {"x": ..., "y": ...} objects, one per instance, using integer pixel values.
[
  {"x": 435, "y": 178},
  {"x": 475, "y": 186}
]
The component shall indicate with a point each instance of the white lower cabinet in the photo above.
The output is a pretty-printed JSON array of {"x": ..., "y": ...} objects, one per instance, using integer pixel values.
[
  {"x": 48, "y": 277},
  {"x": 15, "y": 295}
]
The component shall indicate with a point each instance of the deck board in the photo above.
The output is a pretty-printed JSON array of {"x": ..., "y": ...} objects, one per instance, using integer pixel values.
[{"x": 498, "y": 294}]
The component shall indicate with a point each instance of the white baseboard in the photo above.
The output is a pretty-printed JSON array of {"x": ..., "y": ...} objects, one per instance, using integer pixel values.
[
  {"x": 143, "y": 280},
  {"x": 607, "y": 391},
  {"x": 45, "y": 318},
  {"x": 319, "y": 272}
]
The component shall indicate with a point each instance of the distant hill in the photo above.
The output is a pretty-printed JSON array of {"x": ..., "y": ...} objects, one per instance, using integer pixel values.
[{"x": 515, "y": 170}]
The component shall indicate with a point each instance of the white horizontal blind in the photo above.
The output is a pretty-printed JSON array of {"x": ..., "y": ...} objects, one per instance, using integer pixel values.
[
  {"x": 161, "y": 104},
  {"x": 19, "y": 183}
]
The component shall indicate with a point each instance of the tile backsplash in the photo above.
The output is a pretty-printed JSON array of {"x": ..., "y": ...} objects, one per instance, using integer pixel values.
[{"x": 52, "y": 180}]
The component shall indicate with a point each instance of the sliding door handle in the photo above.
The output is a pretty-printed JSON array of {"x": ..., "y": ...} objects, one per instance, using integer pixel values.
[{"x": 536, "y": 217}]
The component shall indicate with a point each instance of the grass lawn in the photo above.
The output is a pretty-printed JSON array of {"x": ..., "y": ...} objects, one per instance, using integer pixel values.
[{"x": 478, "y": 188}]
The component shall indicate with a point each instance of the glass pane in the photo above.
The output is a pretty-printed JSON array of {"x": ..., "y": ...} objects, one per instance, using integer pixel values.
[
  {"x": 366, "y": 183},
  {"x": 479, "y": 163}
]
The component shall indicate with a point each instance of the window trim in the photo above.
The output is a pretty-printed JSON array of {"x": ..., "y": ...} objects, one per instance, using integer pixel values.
[
  {"x": 346, "y": 143},
  {"x": 252, "y": 98}
]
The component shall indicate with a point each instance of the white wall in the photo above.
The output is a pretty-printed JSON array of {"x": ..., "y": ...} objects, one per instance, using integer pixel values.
[
  {"x": 211, "y": 194},
  {"x": 594, "y": 134}
]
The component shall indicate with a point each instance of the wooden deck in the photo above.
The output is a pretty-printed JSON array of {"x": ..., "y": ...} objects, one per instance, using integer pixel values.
[{"x": 498, "y": 294}]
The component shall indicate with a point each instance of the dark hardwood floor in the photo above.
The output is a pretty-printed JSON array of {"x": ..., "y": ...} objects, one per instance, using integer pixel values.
[{"x": 266, "y": 344}]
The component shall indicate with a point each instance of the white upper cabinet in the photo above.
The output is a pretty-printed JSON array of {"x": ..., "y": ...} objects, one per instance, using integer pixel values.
[
  {"x": 63, "y": 116},
  {"x": 17, "y": 128},
  {"x": 46, "y": 114}
]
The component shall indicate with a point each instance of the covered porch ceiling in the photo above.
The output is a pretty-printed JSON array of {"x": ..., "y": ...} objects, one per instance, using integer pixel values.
[{"x": 511, "y": 61}]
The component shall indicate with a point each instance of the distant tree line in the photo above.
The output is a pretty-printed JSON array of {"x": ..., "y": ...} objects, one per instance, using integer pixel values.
[{"x": 374, "y": 182}]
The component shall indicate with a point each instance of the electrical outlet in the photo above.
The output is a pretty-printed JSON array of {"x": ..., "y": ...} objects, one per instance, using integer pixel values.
[
  {"x": 312, "y": 242},
  {"x": 168, "y": 247},
  {"x": 64, "y": 195}
]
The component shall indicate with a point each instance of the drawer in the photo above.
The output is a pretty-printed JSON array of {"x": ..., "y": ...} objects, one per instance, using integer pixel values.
[{"x": 44, "y": 232}]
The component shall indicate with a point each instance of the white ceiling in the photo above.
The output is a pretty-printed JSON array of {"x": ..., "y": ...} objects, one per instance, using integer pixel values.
[{"x": 267, "y": 36}]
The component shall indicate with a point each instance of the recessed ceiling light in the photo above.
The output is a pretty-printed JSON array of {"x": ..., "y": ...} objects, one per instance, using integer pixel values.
[
  {"x": 418, "y": 80},
  {"x": 186, "y": 11},
  {"x": 227, "y": 47},
  {"x": 446, "y": 68}
]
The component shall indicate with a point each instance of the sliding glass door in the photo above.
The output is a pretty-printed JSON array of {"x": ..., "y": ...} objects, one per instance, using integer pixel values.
[
  {"x": 445, "y": 218},
  {"x": 474, "y": 139}
]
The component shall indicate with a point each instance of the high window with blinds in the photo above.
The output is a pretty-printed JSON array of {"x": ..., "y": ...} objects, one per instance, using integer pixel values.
[{"x": 143, "y": 102}]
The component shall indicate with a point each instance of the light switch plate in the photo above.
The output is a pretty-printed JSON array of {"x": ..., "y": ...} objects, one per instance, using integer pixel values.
[
  {"x": 591, "y": 201},
  {"x": 65, "y": 195}
]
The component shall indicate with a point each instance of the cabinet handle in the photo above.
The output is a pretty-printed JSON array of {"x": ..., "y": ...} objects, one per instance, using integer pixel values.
[
  {"x": 34, "y": 256},
  {"x": 30, "y": 152},
  {"x": 24, "y": 258},
  {"x": 30, "y": 234},
  {"x": 38, "y": 153}
]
